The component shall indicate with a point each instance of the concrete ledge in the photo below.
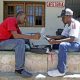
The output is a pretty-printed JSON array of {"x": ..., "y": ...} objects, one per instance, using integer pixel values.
[{"x": 38, "y": 62}]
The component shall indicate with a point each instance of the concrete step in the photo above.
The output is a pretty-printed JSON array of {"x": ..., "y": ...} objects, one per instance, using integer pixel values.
[{"x": 38, "y": 62}]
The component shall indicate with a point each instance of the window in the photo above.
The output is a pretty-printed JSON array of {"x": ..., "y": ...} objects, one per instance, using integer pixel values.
[
  {"x": 10, "y": 10},
  {"x": 35, "y": 12}
]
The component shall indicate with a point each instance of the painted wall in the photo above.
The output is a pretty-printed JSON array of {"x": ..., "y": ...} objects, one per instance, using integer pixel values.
[{"x": 52, "y": 23}]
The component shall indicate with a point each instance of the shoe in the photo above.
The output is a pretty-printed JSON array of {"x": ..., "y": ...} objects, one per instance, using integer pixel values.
[
  {"x": 55, "y": 73},
  {"x": 24, "y": 73}
]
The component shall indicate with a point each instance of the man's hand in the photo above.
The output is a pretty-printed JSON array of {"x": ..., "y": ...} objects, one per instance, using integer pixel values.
[
  {"x": 36, "y": 36},
  {"x": 52, "y": 41},
  {"x": 48, "y": 36}
]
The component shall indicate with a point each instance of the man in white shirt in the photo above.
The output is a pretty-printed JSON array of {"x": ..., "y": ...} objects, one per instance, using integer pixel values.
[{"x": 70, "y": 41}]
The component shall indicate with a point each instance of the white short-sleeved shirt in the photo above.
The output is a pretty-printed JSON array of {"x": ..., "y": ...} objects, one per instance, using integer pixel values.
[{"x": 72, "y": 30}]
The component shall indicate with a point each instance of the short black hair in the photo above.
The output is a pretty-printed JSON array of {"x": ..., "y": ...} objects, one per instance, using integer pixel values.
[{"x": 19, "y": 13}]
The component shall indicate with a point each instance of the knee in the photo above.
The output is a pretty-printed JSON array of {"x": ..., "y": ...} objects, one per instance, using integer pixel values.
[
  {"x": 20, "y": 41},
  {"x": 63, "y": 44}
]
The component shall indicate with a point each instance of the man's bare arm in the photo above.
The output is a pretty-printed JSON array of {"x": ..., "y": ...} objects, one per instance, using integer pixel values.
[
  {"x": 23, "y": 36},
  {"x": 56, "y": 37},
  {"x": 70, "y": 39}
]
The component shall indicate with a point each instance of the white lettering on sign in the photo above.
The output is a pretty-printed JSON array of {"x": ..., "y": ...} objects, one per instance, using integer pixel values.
[{"x": 55, "y": 4}]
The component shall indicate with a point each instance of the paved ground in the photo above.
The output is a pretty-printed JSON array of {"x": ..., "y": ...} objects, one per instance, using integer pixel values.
[{"x": 13, "y": 76}]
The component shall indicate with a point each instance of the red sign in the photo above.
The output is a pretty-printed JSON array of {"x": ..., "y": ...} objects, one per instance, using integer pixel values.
[{"x": 55, "y": 4}]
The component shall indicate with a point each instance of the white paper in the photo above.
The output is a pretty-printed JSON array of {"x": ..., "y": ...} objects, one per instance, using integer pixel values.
[
  {"x": 72, "y": 76},
  {"x": 40, "y": 76},
  {"x": 43, "y": 34},
  {"x": 42, "y": 31},
  {"x": 46, "y": 37}
]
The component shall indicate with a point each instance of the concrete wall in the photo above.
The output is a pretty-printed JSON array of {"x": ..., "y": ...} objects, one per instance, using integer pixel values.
[{"x": 52, "y": 23}]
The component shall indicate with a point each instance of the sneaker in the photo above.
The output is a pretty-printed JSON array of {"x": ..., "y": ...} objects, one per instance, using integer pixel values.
[
  {"x": 55, "y": 73},
  {"x": 24, "y": 73}
]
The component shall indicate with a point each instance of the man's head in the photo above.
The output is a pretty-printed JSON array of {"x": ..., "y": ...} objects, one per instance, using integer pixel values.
[
  {"x": 66, "y": 15},
  {"x": 21, "y": 17}
]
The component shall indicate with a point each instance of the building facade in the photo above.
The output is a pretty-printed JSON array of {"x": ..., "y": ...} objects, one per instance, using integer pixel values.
[{"x": 39, "y": 14}]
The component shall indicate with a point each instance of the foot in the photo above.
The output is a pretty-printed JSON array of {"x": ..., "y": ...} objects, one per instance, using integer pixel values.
[
  {"x": 55, "y": 73},
  {"x": 24, "y": 73}
]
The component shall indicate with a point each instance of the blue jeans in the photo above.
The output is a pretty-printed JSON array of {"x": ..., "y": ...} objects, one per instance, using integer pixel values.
[
  {"x": 19, "y": 46},
  {"x": 64, "y": 47}
]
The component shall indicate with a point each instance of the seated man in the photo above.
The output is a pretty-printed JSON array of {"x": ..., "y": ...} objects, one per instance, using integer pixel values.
[
  {"x": 71, "y": 41},
  {"x": 11, "y": 37}
]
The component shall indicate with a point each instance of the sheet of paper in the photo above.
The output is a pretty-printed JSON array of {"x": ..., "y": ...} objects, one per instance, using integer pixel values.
[
  {"x": 43, "y": 34},
  {"x": 42, "y": 31},
  {"x": 40, "y": 76},
  {"x": 46, "y": 37}
]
